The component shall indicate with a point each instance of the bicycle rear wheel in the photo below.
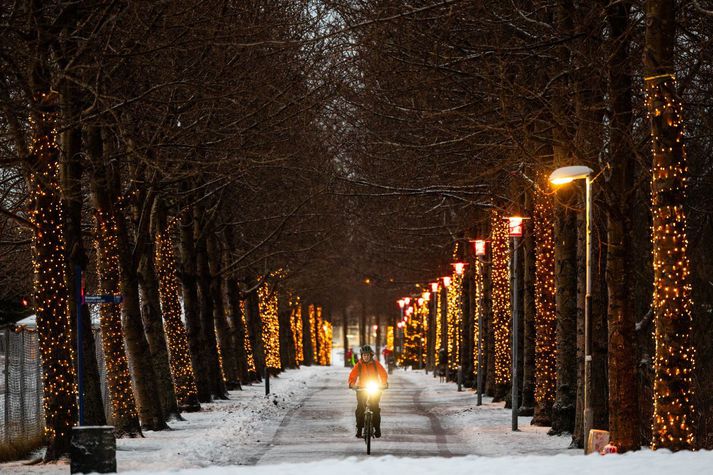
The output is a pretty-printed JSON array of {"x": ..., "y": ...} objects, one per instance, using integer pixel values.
[{"x": 367, "y": 433}]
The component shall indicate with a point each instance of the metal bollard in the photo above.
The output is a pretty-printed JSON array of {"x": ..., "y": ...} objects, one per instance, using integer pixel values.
[
  {"x": 93, "y": 450},
  {"x": 267, "y": 381}
]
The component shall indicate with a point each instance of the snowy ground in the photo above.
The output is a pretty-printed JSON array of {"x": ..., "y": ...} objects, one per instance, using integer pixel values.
[{"x": 307, "y": 425}]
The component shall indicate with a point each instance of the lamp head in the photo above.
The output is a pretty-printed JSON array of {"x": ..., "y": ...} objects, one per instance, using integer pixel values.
[{"x": 565, "y": 175}]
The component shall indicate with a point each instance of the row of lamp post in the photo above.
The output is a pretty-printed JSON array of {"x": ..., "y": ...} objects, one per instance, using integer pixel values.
[{"x": 560, "y": 176}]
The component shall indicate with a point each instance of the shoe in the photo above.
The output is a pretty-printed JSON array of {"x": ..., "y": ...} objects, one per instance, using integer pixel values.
[
  {"x": 377, "y": 433},
  {"x": 359, "y": 435}
]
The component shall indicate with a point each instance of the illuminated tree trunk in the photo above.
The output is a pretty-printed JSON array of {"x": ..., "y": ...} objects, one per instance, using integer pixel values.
[
  {"x": 235, "y": 313},
  {"x": 71, "y": 171},
  {"x": 563, "y": 410},
  {"x": 500, "y": 275},
  {"x": 105, "y": 191},
  {"x": 151, "y": 311},
  {"x": 489, "y": 349},
  {"x": 217, "y": 286},
  {"x": 622, "y": 361},
  {"x": 50, "y": 291},
  {"x": 189, "y": 281},
  {"x": 527, "y": 405},
  {"x": 545, "y": 311},
  {"x": 674, "y": 407},
  {"x": 179, "y": 354},
  {"x": 124, "y": 414},
  {"x": 255, "y": 328},
  {"x": 207, "y": 306}
]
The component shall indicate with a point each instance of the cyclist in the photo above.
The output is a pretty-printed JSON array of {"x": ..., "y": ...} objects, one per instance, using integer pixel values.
[{"x": 365, "y": 371}]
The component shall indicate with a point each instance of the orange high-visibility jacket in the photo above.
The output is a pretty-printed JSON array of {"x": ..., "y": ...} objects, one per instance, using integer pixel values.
[{"x": 367, "y": 372}]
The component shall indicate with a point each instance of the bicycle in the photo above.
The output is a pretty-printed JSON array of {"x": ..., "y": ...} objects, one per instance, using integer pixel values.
[{"x": 368, "y": 432}]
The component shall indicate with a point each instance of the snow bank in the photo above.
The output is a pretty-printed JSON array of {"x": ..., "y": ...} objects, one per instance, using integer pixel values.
[{"x": 641, "y": 463}]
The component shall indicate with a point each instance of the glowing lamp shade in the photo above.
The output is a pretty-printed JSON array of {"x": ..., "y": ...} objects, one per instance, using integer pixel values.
[
  {"x": 407, "y": 300},
  {"x": 459, "y": 267},
  {"x": 426, "y": 296},
  {"x": 479, "y": 245},
  {"x": 446, "y": 281},
  {"x": 515, "y": 226},
  {"x": 375, "y": 327},
  {"x": 409, "y": 311},
  {"x": 566, "y": 175},
  {"x": 401, "y": 303},
  {"x": 420, "y": 301},
  {"x": 434, "y": 287}
]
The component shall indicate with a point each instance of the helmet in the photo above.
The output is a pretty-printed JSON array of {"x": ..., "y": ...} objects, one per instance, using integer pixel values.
[{"x": 367, "y": 349}]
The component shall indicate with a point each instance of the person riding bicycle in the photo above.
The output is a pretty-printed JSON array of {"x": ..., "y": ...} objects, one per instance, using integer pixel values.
[{"x": 365, "y": 371}]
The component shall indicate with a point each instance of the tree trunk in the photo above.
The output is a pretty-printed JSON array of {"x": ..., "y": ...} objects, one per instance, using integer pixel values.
[
  {"x": 179, "y": 354},
  {"x": 563, "y": 410},
  {"x": 545, "y": 311},
  {"x": 151, "y": 311},
  {"x": 307, "y": 339},
  {"x": 71, "y": 171},
  {"x": 207, "y": 306},
  {"x": 502, "y": 311},
  {"x": 228, "y": 354},
  {"x": 48, "y": 260},
  {"x": 140, "y": 358},
  {"x": 255, "y": 325},
  {"x": 489, "y": 349},
  {"x": 674, "y": 406},
  {"x": 124, "y": 410},
  {"x": 527, "y": 405},
  {"x": 189, "y": 281}
]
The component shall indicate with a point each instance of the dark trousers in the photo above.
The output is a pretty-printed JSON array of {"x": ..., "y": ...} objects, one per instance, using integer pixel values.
[{"x": 373, "y": 405}]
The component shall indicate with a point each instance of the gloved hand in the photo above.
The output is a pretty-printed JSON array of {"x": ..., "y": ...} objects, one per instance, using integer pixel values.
[{"x": 351, "y": 386}]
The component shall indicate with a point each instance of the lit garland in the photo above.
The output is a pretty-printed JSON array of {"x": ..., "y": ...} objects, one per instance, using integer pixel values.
[
  {"x": 390, "y": 337},
  {"x": 123, "y": 405},
  {"x": 500, "y": 251},
  {"x": 545, "y": 306},
  {"x": 296, "y": 324},
  {"x": 50, "y": 291},
  {"x": 674, "y": 364},
  {"x": 270, "y": 325},
  {"x": 313, "y": 334},
  {"x": 321, "y": 342},
  {"x": 412, "y": 333},
  {"x": 327, "y": 339},
  {"x": 422, "y": 317},
  {"x": 479, "y": 288},
  {"x": 179, "y": 355},
  {"x": 248, "y": 347},
  {"x": 454, "y": 318}
]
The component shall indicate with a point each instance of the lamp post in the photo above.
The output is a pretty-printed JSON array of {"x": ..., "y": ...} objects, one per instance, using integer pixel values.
[
  {"x": 562, "y": 176},
  {"x": 459, "y": 269},
  {"x": 432, "y": 326},
  {"x": 515, "y": 225},
  {"x": 479, "y": 245}
]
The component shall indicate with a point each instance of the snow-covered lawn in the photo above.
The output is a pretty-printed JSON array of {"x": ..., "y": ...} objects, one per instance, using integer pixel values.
[
  {"x": 642, "y": 463},
  {"x": 231, "y": 432}
]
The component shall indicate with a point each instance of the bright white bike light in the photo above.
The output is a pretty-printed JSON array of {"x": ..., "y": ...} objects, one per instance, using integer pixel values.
[{"x": 372, "y": 388}]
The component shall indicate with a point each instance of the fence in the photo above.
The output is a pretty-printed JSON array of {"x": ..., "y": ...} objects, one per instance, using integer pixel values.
[
  {"x": 21, "y": 410},
  {"x": 21, "y": 414}
]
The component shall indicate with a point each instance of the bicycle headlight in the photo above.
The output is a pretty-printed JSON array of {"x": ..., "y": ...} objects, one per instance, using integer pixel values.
[{"x": 372, "y": 388}]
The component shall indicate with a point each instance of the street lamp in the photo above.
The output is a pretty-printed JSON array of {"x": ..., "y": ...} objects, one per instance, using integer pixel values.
[
  {"x": 459, "y": 267},
  {"x": 515, "y": 226},
  {"x": 562, "y": 176},
  {"x": 446, "y": 281}
]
